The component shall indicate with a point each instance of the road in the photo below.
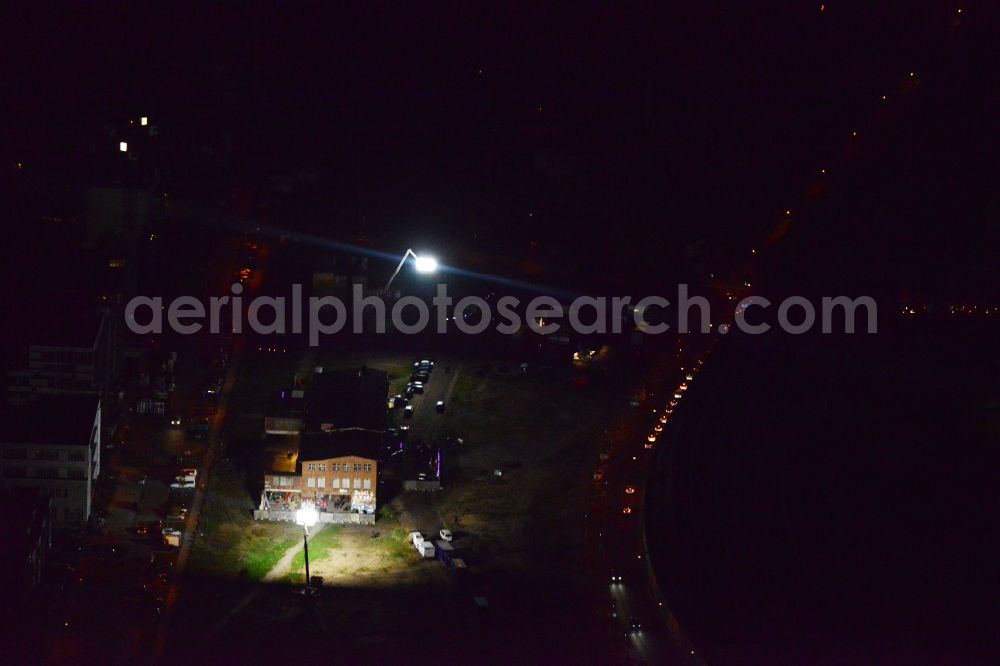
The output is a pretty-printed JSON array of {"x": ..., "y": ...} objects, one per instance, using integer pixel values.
[
  {"x": 420, "y": 509},
  {"x": 191, "y": 524},
  {"x": 215, "y": 447},
  {"x": 619, "y": 518}
]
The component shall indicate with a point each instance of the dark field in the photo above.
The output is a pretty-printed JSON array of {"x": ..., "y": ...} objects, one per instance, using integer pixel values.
[{"x": 812, "y": 510}]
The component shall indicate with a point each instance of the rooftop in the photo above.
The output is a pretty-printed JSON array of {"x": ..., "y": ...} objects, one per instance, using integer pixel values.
[
  {"x": 347, "y": 399},
  {"x": 51, "y": 420},
  {"x": 340, "y": 443},
  {"x": 57, "y": 318}
]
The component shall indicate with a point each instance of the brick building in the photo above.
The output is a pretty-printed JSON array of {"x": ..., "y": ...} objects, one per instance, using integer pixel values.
[
  {"x": 336, "y": 470},
  {"x": 334, "y": 461}
]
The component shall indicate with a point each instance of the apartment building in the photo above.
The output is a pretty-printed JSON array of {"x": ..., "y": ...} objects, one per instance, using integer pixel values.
[{"x": 53, "y": 445}]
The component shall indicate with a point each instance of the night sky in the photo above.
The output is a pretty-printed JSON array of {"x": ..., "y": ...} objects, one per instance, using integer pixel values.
[{"x": 670, "y": 124}]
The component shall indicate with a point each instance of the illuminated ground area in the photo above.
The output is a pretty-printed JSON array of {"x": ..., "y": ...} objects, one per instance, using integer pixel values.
[{"x": 521, "y": 534}]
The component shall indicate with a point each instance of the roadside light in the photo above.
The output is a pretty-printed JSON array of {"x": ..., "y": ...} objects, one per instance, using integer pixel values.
[{"x": 425, "y": 264}]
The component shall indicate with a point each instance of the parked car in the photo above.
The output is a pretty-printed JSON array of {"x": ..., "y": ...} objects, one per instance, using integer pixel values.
[
  {"x": 408, "y": 412},
  {"x": 446, "y": 534},
  {"x": 439, "y": 407},
  {"x": 415, "y": 387}
]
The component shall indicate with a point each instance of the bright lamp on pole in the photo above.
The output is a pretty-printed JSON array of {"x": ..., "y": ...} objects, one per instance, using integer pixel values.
[
  {"x": 307, "y": 516},
  {"x": 423, "y": 264}
]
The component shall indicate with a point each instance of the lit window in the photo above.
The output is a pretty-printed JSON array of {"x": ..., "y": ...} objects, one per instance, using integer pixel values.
[
  {"x": 321, "y": 482},
  {"x": 144, "y": 121},
  {"x": 368, "y": 484},
  {"x": 311, "y": 482},
  {"x": 123, "y": 146},
  {"x": 335, "y": 482}
]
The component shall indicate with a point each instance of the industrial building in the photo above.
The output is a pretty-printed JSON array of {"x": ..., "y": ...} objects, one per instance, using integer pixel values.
[{"x": 333, "y": 460}]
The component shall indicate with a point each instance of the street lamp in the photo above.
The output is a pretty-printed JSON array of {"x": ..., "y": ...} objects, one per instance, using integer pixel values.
[
  {"x": 306, "y": 516},
  {"x": 424, "y": 264}
]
